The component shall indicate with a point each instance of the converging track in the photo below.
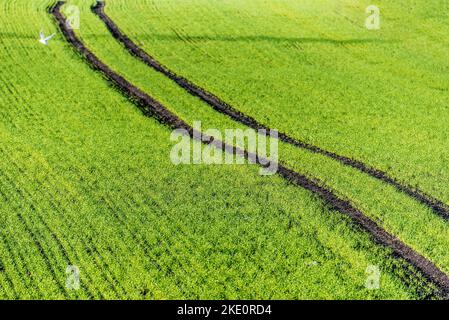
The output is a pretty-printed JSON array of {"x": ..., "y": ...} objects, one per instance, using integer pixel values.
[
  {"x": 219, "y": 105},
  {"x": 152, "y": 108}
]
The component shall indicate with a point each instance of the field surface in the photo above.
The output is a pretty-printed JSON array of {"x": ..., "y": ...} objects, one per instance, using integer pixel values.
[{"x": 86, "y": 178}]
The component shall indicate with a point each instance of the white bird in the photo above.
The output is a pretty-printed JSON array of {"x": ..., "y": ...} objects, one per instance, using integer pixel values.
[{"x": 44, "y": 40}]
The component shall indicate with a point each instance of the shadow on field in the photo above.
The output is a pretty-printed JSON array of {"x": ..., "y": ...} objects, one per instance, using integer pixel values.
[
  {"x": 226, "y": 38},
  {"x": 15, "y": 35},
  {"x": 260, "y": 38}
]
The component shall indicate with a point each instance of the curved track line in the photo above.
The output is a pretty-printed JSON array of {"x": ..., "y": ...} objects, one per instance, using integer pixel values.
[
  {"x": 153, "y": 108},
  {"x": 219, "y": 105}
]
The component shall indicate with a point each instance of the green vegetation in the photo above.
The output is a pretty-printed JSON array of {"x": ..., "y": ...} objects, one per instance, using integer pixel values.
[
  {"x": 412, "y": 222},
  {"x": 311, "y": 68},
  {"x": 86, "y": 179}
]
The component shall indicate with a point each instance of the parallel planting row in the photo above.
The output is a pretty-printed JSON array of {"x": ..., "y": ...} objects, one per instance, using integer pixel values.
[
  {"x": 86, "y": 181},
  {"x": 439, "y": 208},
  {"x": 93, "y": 185}
]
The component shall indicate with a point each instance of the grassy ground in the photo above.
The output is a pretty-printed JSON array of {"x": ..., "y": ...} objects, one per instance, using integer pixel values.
[
  {"x": 388, "y": 88},
  {"x": 413, "y": 223},
  {"x": 86, "y": 180}
]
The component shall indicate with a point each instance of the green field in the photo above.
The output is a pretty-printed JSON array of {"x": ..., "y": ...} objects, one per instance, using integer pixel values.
[{"x": 86, "y": 179}]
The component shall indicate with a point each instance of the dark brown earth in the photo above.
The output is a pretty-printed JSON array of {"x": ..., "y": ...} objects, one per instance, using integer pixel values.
[
  {"x": 151, "y": 107},
  {"x": 219, "y": 105}
]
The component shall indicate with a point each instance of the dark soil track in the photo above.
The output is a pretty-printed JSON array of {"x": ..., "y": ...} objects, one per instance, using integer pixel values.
[
  {"x": 219, "y": 105},
  {"x": 153, "y": 108}
]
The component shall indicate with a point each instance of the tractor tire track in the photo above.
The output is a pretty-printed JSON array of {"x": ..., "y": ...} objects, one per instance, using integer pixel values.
[
  {"x": 152, "y": 108},
  {"x": 436, "y": 205}
]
